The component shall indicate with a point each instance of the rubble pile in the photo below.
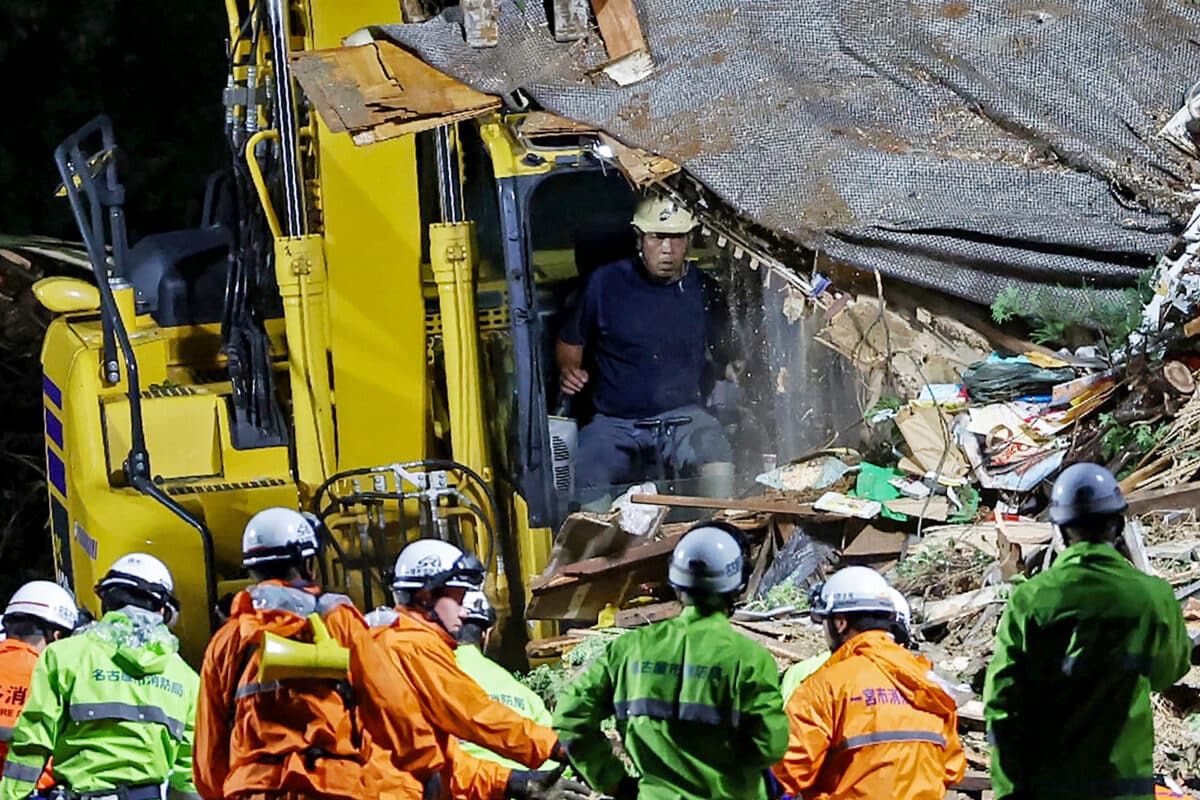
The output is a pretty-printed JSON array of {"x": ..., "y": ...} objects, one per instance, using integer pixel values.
[{"x": 946, "y": 494}]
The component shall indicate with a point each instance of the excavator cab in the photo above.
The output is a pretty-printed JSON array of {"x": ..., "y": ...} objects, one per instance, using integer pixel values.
[{"x": 361, "y": 332}]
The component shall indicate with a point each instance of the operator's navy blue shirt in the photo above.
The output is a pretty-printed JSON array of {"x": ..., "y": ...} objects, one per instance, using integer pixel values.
[{"x": 647, "y": 341}]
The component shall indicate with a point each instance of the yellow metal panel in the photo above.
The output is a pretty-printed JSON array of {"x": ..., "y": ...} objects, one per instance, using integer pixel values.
[
  {"x": 181, "y": 435},
  {"x": 372, "y": 229},
  {"x": 300, "y": 272}
]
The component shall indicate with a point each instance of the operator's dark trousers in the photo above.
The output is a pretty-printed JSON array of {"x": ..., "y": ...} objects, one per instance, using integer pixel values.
[{"x": 612, "y": 451}]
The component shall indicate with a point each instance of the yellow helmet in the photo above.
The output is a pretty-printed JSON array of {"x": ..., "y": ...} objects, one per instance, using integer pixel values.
[{"x": 656, "y": 214}]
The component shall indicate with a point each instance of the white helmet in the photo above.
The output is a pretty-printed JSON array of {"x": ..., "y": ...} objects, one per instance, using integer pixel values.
[
  {"x": 278, "y": 534},
  {"x": 479, "y": 610},
  {"x": 47, "y": 601},
  {"x": 707, "y": 559},
  {"x": 852, "y": 590},
  {"x": 434, "y": 564},
  {"x": 657, "y": 214},
  {"x": 143, "y": 573}
]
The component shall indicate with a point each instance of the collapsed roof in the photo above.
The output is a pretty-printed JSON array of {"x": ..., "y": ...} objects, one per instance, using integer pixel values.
[{"x": 962, "y": 145}]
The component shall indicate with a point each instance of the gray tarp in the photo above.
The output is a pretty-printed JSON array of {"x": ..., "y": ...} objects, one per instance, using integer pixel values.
[{"x": 961, "y": 145}]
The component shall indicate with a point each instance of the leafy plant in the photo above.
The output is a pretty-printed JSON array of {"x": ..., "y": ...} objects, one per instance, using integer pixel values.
[
  {"x": 1053, "y": 311},
  {"x": 1117, "y": 436}
]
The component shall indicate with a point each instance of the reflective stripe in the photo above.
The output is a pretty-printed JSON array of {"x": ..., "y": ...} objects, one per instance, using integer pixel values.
[
  {"x": 1138, "y": 663},
  {"x": 257, "y": 688},
  {"x": 20, "y": 772},
  {"x": 881, "y": 737},
  {"x": 1117, "y": 787},
  {"x": 5, "y": 733},
  {"x": 684, "y": 712},
  {"x": 90, "y": 712}
]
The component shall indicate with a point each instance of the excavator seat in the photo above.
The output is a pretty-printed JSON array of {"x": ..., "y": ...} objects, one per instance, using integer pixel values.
[{"x": 180, "y": 276}]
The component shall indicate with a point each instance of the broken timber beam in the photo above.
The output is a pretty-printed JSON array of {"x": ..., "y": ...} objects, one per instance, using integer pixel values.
[
  {"x": 759, "y": 504},
  {"x": 629, "y": 57},
  {"x": 1186, "y": 495}
]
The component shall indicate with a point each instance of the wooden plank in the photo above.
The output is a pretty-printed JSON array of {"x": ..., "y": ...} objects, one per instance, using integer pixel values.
[
  {"x": 380, "y": 90},
  {"x": 648, "y": 614},
  {"x": 768, "y": 506},
  {"x": 1185, "y": 495},
  {"x": 619, "y": 25}
]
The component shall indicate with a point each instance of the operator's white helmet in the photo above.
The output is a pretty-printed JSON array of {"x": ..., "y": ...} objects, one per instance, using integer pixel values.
[
  {"x": 145, "y": 573},
  {"x": 434, "y": 564},
  {"x": 708, "y": 559},
  {"x": 662, "y": 215},
  {"x": 278, "y": 534},
  {"x": 47, "y": 601},
  {"x": 852, "y": 590}
]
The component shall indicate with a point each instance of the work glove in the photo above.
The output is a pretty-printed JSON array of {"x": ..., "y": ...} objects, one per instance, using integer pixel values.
[{"x": 545, "y": 785}]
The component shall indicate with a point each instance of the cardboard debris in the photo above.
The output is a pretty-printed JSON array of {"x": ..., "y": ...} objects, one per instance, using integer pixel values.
[
  {"x": 934, "y": 508},
  {"x": 380, "y": 91},
  {"x": 933, "y": 450},
  {"x": 1019, "y": 542}
]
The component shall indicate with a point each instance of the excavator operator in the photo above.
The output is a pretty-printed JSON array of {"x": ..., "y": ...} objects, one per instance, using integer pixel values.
[
  {"x": 257, "y": 737},
  {"x": 648, "y": 325}
]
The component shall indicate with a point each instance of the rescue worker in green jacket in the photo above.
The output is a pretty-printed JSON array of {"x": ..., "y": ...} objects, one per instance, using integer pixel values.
[
  {"x": 697, "y": 705},
  {"x": 498, "y": 682},
  {"x": 1078, "y": 650},
  {"x": 114, "y": 704}
]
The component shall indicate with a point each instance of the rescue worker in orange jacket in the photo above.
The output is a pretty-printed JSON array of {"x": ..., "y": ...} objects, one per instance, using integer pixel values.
[
  {"x": 298, "y": 736},
  {"x": 418, "y": 699},
  {"x": 870, "y": 723},
  {"x": 39, "y": 612}
]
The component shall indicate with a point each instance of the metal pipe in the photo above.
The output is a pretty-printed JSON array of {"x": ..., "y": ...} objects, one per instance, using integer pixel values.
[
  {"x": 449, "y": 178},
  {"x": 285, "y": 118}
]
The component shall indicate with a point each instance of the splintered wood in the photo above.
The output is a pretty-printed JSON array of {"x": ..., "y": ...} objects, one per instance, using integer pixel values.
[
  {"x": 380, "y": 91},
  {"x": 622, "y": 32}
]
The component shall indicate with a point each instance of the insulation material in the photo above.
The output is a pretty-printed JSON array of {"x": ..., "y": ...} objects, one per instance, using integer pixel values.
[{"x": 963, "y": 146}]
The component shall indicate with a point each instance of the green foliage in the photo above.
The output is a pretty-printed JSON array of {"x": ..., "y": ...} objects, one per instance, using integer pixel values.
[
  {"x": 548, "y": 680},
  {"x": 1053, "y": 311},
  {"x": 1116, "y": 437},
  {"x": 780, "y": 595},
  {"x": 1008, "y": 305}
]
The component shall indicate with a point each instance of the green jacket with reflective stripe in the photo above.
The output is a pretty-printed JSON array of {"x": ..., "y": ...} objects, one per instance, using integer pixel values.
[
  {"x": 502, "y": 687},
  {"x": 697, "y": 707},
  {"x": 1067, "y": 694},
  {"x": 114, "y": 706}
]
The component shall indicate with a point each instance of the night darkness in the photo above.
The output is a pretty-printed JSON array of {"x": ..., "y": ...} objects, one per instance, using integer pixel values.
[{"x": 157, "y": 67}]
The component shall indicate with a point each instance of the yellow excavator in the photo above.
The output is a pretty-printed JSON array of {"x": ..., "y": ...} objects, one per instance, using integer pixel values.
[{"x": 337, "y": 335}]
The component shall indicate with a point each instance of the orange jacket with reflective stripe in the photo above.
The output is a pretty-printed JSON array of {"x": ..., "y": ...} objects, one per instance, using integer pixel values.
[
  {"x": 871, "y": 724},
  {"x": 295, "y": 736},
  {"x": 418, "y": 699},
  {"x": 16, "y": 665}
]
